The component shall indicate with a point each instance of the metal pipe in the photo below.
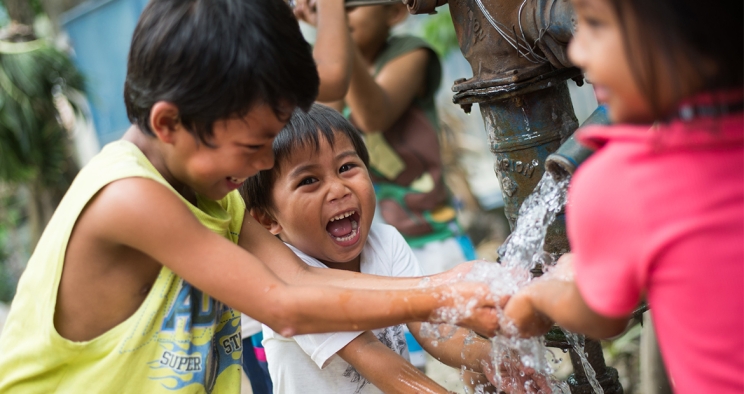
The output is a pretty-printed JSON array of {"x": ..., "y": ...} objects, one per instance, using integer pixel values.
[{"x": 564, "y": 162}]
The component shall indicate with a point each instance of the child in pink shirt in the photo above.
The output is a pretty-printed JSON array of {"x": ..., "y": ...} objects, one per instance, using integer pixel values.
[{"x": 657, "y": 214}]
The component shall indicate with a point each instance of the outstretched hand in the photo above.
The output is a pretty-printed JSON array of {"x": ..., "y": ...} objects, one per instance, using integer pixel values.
[
  {"x": 521, "y": 312},
  {"x": 514, "y": 378},
  {"x": 470, "y": 305},
  {"x": 454, "y": 274}
]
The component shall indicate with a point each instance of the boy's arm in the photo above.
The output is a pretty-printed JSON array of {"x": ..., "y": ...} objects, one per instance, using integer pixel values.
[
  {"x": 556, "y": 298},
  {"x": 378, "y": 102},
  {"x": 144, "y": 215},
  {"x": 384, "y": 368},
  {"x": 463, "y": 349},
  {"x": 458, "y": 350},
  {"x": 333, "y": 46}
]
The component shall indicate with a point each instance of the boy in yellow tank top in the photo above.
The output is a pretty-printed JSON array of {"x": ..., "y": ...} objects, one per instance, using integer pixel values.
[{"x": 132, "y": 286}]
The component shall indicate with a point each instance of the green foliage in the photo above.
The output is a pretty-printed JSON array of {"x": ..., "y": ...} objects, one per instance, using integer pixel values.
[
  {"x": 33, "y": 142},
  {"x": 10, "y": 217},
  {"x": 36, "y": 7},
  {"x": 439, "y": 31}
]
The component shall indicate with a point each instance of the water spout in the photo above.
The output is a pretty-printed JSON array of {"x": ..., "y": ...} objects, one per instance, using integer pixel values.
[{"x": 571, "y": 153}]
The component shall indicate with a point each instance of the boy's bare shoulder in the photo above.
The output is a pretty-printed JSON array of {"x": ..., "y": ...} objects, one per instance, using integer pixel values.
[{"x": 129, "y": 204}]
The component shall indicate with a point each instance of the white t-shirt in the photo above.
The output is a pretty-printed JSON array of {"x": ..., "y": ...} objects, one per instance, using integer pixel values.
[{"x": 308, "y": 364}]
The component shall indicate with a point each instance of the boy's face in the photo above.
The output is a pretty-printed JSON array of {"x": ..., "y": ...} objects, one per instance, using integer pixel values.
[
  {"x": 241, "y": 148},
  {"x": 324, "y": 201}
]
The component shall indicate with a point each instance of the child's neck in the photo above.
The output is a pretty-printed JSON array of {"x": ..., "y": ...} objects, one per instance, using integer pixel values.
[
  {"x": 354, "y": 265},
  {"x": 151, "y": 148},
  {"x": 372, "y": 51}
]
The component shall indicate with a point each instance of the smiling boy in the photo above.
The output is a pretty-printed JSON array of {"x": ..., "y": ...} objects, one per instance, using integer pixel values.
[
  {"x": 132, "y": 286},
  {"x": 319, "y": 199}
]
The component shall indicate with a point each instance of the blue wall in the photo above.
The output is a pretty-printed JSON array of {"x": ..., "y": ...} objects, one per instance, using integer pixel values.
[{"x": 100, "y": 32}]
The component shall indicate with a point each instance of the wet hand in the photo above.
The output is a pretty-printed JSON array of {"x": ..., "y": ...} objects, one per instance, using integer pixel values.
[
  {"x": 454, "y": 274},
  {"x": 470, "y": 305},
  {"x": 515, "y": 378},
  {"x": 563, "y": 269},
  {"x": 522, "y": 316}
]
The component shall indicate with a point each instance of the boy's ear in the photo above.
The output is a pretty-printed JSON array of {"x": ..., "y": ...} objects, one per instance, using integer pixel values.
[
  {"x": 397, "y": 13},
  {"x": 165, "y": 120},
  {"x": 266, "y": 220}
]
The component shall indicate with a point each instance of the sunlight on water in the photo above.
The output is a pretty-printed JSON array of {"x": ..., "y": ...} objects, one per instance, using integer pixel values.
[{"x": 524, "y": 362}]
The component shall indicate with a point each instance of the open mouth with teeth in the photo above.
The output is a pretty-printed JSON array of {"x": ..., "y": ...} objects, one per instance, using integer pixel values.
[
  {"x": 234, "y": 183},
  {"x": 344, "y": 228}
]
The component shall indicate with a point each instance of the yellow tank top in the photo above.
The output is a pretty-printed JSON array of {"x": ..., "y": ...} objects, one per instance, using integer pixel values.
[{"x": 180, "y": 340}]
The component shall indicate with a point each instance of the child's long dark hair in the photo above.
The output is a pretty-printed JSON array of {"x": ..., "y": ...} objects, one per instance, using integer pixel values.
[{"x": 698, "y": 45}]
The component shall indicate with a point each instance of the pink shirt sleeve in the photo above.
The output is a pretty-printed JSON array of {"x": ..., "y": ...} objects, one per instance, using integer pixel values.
[{"x": 606, "y": 232}]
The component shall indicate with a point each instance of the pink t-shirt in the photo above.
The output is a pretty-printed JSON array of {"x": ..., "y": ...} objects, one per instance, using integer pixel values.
[{"x": 659, "y": 214}]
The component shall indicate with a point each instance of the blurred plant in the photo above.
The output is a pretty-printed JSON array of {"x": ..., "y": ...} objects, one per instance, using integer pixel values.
[
  {"x": 34, "y": 144},
  {"x": 439, "y": 31},
  {"x": 22, "y": 11},
  {"x": 10, "y": 217}
]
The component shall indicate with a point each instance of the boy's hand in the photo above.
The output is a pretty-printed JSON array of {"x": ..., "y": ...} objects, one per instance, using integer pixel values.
[
  {"x": 526, "y": 381},
  {"x": 563, "y": 269},
  {"x": 469, "y": 305},
  {"x": 521, "y": 311},
  {"x": 528, "y": 321},
  {"x": 454, "y": 274}
]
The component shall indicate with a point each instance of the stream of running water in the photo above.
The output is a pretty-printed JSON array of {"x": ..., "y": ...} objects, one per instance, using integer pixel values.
[{"x": 519, "y": 254}]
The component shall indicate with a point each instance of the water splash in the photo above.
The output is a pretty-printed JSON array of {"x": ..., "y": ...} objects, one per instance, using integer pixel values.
[
  {"x": 524, "y": 247},
  {"x": 523, "y": 361},
  {"x": 577, "y": 342}
]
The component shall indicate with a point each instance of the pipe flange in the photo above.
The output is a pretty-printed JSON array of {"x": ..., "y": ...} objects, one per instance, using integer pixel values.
[{"x": 496, "y": 93}]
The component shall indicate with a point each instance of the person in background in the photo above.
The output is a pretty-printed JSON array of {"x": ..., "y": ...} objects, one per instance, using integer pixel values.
[
  {"x": 386, "y": 85},
  {"x": 657, "y": 213}
]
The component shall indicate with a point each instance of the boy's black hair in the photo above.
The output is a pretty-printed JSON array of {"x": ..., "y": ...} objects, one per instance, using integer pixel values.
[
  {"x": 216, "y": 59},
  {"x": 305, "y": 129},
  {"x": 699, "y": 44}
]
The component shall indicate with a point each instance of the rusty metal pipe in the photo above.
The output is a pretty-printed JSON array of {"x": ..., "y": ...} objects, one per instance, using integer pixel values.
[{"x": 571, "y": 153}]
